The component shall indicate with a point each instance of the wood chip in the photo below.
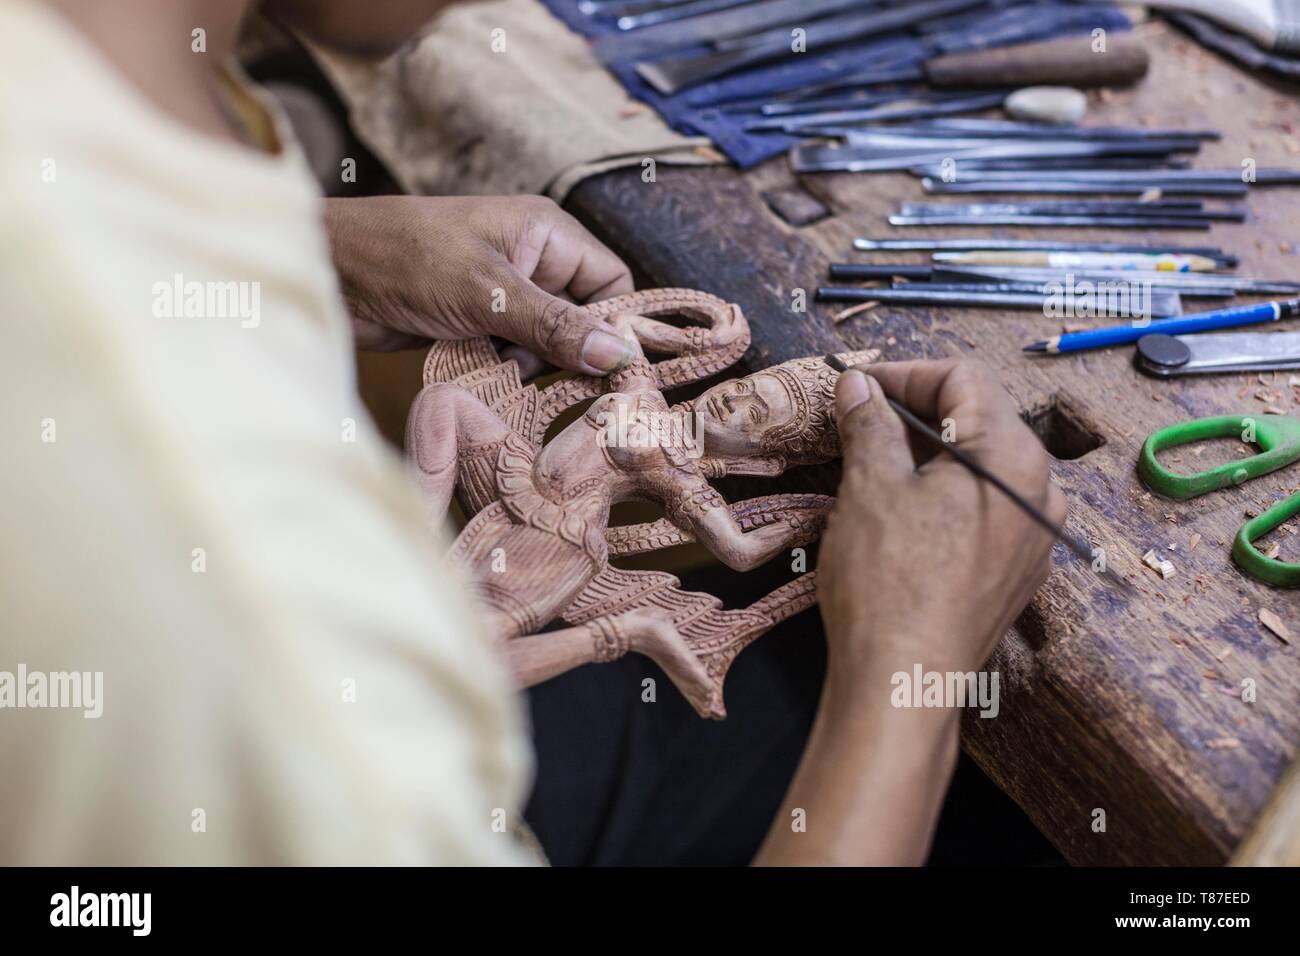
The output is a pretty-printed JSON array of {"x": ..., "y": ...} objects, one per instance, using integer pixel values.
[
  {"x": 1224, "y": 654},
  {"x": 1193, "y": 542},
  {"x": 1274, "y": 624},
  {"x": 1161, "y": 566},
  {"x": 849, "y": 313},
  {"x": 1273, "y": 550},
  {"x": 1223, "y": 743},
  {"x": 709, "y": 153}
]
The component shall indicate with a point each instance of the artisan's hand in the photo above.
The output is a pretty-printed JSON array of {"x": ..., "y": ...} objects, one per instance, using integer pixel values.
[
  {"x": 930, "y": 565},
  {"x": 919, "y": 565},
  {"x": 416, "y": 268}
]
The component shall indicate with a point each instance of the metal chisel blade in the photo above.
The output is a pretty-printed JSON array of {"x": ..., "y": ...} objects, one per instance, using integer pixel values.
[{"x": 668, "y": 76}]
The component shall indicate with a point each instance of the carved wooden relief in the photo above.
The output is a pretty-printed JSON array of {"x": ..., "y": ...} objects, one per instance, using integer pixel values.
[{"x": 538, "y": 541}]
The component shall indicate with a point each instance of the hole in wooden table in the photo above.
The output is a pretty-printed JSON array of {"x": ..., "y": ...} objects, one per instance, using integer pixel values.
[{"x": 1063, "y": 431}]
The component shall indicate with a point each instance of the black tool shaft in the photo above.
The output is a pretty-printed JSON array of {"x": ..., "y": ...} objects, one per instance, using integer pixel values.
[
  {"x": 1106, "y": 222},
  {"x": 1067, "y": 188}
]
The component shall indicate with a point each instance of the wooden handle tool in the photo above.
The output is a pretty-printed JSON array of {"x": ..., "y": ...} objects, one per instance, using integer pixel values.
[{"x": 1072, "y": 61}]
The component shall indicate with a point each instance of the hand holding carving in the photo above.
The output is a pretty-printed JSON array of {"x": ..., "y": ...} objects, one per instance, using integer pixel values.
[{"x": 536, "y": 545}]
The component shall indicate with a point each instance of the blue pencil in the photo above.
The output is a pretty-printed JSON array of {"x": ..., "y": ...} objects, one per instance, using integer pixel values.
[{"x": 1183, "y": 325}]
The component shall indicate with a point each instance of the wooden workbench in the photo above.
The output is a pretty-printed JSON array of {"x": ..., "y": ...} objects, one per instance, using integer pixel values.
[{"x": 1131, "y": 707}]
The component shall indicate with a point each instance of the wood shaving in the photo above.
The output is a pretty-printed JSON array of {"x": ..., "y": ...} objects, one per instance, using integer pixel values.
[
  {"x": 1273, "y": 550},
  {"x": 1223, "y": 743},
  {"x": 1274, "y": 624},
  {"x": 1161, "y": 566},
  {"x": 1224, "y": 654},
  {"x": 849, "y": 313}
]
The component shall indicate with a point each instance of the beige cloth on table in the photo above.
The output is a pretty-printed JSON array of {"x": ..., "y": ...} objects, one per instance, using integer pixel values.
[
  {"x": 198, "y": 509},
  {"x": 449, "y": 116}
]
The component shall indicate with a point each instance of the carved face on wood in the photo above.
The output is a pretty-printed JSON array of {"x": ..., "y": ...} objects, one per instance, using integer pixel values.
[
  {"x": 774, "y": 419},
  {"x": 736, "y": 415}
]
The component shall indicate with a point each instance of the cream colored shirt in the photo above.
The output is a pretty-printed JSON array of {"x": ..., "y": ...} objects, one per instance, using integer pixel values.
[{"x": 197, "y": 515}]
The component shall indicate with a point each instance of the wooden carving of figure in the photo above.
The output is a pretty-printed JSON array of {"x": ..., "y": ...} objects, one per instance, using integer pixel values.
[{"x": 538, "y": 542}]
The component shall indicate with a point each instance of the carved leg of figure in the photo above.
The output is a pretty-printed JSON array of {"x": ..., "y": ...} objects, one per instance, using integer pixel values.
[{"x": 539, "y": 657}]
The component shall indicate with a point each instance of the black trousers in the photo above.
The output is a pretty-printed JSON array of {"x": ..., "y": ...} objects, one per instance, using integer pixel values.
[{"x": 625, "y": 782}]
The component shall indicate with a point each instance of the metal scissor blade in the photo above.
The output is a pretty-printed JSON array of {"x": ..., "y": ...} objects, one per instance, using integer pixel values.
[
  {"x": 1249, "y": 349},
  {"x": 1210, "y": 354}
]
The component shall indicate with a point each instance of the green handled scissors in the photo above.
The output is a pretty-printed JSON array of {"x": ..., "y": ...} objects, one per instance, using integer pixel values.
[{"x": 1277, "y": 437}]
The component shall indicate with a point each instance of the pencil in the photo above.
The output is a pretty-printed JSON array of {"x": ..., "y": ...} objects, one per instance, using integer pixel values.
[{"x": 1182, "y": 325}]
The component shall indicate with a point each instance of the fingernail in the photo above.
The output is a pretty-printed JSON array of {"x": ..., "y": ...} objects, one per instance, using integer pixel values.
[
  {"x": 851, "y": 392},
  {"x": 606, "y": 351}
]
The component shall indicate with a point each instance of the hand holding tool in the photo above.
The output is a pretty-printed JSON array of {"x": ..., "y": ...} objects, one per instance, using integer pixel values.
[{"x": 1079, "y": 547}]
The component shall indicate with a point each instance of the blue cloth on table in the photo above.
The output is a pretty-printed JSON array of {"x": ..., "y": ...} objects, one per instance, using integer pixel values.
[{"x": 697, "y": 111}]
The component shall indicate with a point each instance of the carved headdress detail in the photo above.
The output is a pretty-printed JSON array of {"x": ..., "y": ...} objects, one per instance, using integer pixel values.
[{"x": 811, "y": 435}]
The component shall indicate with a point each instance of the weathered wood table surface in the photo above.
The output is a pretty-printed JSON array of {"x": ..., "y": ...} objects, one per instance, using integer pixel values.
[{"x": 1132, "y": 707}]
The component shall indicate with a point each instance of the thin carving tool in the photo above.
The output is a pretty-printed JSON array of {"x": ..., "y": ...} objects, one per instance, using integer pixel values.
[
  {"x": 1021, "y": 129},
  {"x": 1081, "y": 260},
  {"x": 706, "y": 22},
  {"x": 1043, "y": 281},
  {"x": 1083, "y": 222},
  {"x": 1159, "y": 209},
  {"x": 1173, "y": 280},
  {"x": 1122, "y": 303},
  {"x": 1081, "y": 548},
  {"x": 670, "y": 76},
  {"x": 815, "y": 158},
  {"x": 967, "y": 186},
  {"x": 1038, "y": 245},
  {"x": 975, "y": 168},
  {"x": 1269, "y": 176}
]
